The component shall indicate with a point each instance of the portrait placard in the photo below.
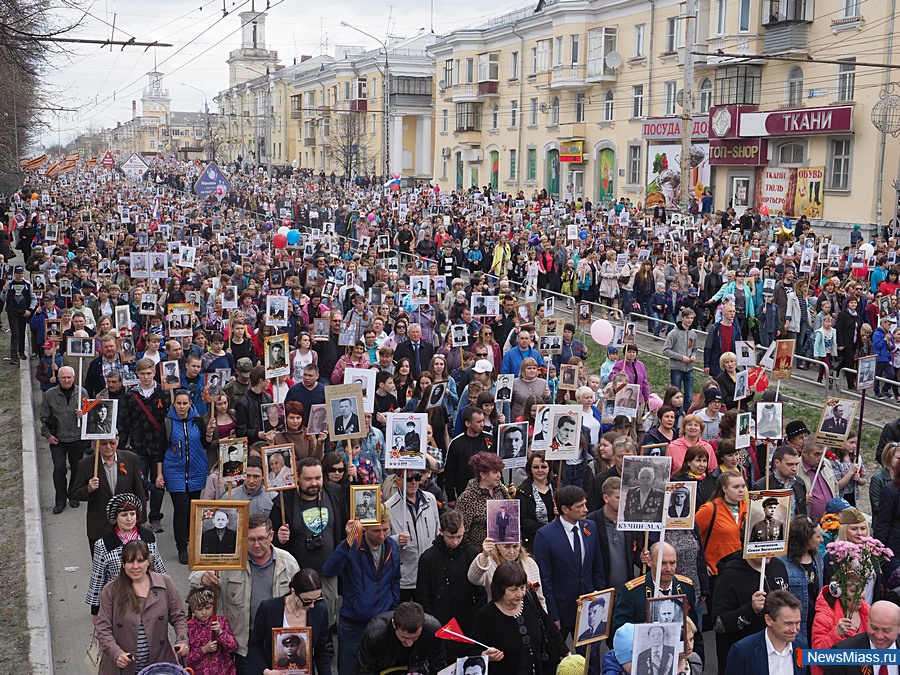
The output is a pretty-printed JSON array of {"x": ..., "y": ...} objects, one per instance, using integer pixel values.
[
  {"x": 653, "y": 638},
  {"x": 277, "y": 351},
  {"x": 594, "y": 616},
  {"x": 769, "y": 424},
  {"x": 668, "y": 609},
  {"x": 836, "y": 421},
  {"x": 318, "y": 419},
  {"x": 272, "y": 416},
  {"x": 568, "y": 378},
  {"x": 346, "y": 417},
  {"x": 366, "y": 379},
  {"x": 277, "y": 310},
  {"x": 565, "y": 428},
  {"x": 179, "y": 320},
  {"x": 584, "y": 314},
  {"x": 218, "y": 535},
  {"x": 53, "y": 330},
  {"x": 512, "y": 444},
  {"x": 321, "y": 330},
  {"x": 365, "y": 501},
  {"x": 407, "y": 436},
  {"x": 742, "y": 434},
  {"x": 485, "y": 305},
  {"x": 169, "y": 375},
  {"x": 746, "y": 353},
  {"x": 419, "y": 286},
  {"x": 767, "y": 526},
  {"x": 627, "y": 399},
  {"x": 540, "y": 435},
  {"x": 99, "y": 419},
  {"x": 280, "y": 468},
  {"x": 643, "y": 495},
  {"x": 82, "y": 348},
  {"x": 148, "y": 304},
  {"x": 503, "y": 521},
  {"x": 682, "y": 505},
  {"x": 782, "y": 368},
  {"x": 232, "y": 460},
  {"x": 504, "y": 388},
  {"x": 865, "y": 372},
  {"x": 292, "y": 650}
]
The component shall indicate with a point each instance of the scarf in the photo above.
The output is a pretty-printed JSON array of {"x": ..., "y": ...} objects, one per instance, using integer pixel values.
[
  {"x": 125, "y": 537},
  {"x": 696, "y": 476},
  {"x": 540, "y": 508}
]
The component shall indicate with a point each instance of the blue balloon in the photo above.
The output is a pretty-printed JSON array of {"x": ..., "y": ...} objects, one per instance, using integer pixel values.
[
  {"x": 293, "y": 237},
  {"x": 582, "y": 235}
]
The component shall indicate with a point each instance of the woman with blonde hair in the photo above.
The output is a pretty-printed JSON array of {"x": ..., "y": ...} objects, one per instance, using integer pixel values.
[
  {"x": 481, "y": 571},
  {"x": 528, "y": 384},
  {"x": 691, "y": 431}
]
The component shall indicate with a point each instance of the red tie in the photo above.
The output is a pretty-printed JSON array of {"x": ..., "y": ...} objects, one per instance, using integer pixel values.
[{"x": 883, "y": 670}]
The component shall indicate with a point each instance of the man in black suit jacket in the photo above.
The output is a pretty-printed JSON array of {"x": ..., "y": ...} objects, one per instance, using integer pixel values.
[
  {"x": 884, "y": 627},
  {"x": 414, "y": 347},
  {"x": 123, "y": 466}
]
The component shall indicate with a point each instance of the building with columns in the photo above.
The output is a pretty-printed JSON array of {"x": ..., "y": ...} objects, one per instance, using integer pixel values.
[{"x": 584, "y": 98}]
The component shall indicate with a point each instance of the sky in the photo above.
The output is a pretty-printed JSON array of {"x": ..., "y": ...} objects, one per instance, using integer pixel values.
[{"x": 99, "y": 83}]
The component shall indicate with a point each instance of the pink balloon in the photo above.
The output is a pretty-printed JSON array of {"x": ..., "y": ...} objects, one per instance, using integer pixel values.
[
  {"x": 602, "y": 332},
  {"x": 371, "y": 217},
  {"x": 279, "y": 241},
  {"x": 397, "y": 175}
]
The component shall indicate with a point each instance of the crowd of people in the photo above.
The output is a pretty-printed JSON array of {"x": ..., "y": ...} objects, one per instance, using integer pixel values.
[{"x": 110, "y": 263}]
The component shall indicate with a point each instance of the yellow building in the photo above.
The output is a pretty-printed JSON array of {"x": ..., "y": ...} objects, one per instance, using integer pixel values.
[{"x": 584, "y": 98}]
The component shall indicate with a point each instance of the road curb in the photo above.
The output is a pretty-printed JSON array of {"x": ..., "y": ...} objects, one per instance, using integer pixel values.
[{"x": 40, "y": 653}]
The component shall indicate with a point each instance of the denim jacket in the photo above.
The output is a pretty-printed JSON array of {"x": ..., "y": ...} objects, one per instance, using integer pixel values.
[{"x": 797, "y": 585}]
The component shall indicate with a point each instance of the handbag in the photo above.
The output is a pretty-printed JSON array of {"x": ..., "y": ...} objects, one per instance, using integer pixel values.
[
  {"x": 550, "y": 656},
  {"x": 93, "y": 654}
]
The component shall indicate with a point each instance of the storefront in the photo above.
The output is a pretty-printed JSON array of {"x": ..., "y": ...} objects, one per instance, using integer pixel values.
[{"x": 663, "y": 136}]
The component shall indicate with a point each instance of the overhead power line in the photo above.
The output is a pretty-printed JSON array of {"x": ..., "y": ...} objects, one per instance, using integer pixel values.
[{"x": 794, "y": 59}]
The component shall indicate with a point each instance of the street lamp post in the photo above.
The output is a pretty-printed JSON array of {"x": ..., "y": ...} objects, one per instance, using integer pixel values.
[
  {"x": 206, "y": 111},
  {"x": 385, "y": 105}
]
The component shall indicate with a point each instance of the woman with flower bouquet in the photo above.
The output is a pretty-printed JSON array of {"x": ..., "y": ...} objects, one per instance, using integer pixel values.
[{"x": 855, "y": 530}]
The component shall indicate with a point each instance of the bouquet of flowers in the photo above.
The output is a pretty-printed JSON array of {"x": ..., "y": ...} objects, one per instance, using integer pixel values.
[
  {"x": 854, "y": 565},
  {"x": 831, "y": 524}
]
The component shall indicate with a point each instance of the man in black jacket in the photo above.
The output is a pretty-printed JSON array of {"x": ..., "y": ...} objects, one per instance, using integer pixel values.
[
  {"x": 402, "y": 638},
  {"x": 457, "y": 472},
  {"x": 442, "y": 583},
  {"x": 889, "y": 434},
  {"x": 248, "y": 414},
  {"x": 329, "y": 350},
  {"x": 417, "y": 350}
]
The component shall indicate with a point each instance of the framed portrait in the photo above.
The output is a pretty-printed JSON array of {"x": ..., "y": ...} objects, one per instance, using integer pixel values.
[
  {"x": 550, "y": 344},
  {"x": 835, "y": 422},
  {"x": 628, "y": 335},
  {"x": 65, "y": 287},
  {"x": 82, "y": 348},
  {"x": 214, "y": 384},
  {"x": 568, "y": 377},
  {"x": 280, "y": 468},
  {"x": 525, "y": 313},
  {"x": 99, "y": 419},
  {"x": 39, "y": 283},
  {"x": 148, "y": 304},
  {"x": 682, "y": 502},
  {"x": 349, "y": 333},
  {"x": 512, "y": 444},
  {"x": 667, "y": 609},
  {"x": 549, "y": 306},
  {"x": 440, "y": 285},
  {"x": 504, "y": 388},
  {"x": 292, "y": 650},
  {"x": 865, "y": 369},
  {"x": 229, "y": 297},
  {"x": 187, "y": 256},
  {"x": 643, "y": 496},
  {"x": 321, "y": 330},
  {"x": 159, "y": 265},
  {"x": 366, "y": 379},
  {"x": 662, "y": 638},
  {"x": 277, "y": 310},
  {"x": 627, "y": 399},
  {"x": 193, "y": 298},
  {"x": 140, "y": 265},
  {"x": 407, "y": 434},
  {"x": 435, "y": 395},
  {"x": 459, "y": 335},
  {"x": 346, "y": 417},
  {"x": 783, "y": 363},
  {"x": 485, "y": 305},
  {"x": 468, "y": 665},
  {"x": 277, "y": 355},
  {"x": 272, "y": 416},
  {"x": 318, "y": 419},
  {"x": 746, "y": 353},
  {"x": 218, "y": 535},
  {"x": 653, "y": 449},
  {"x": 742, "y": 433},
  {"x": 565, "y": 429},
  {"x": 584, "y": 314},
  {"x": 594, "y": 617},
  {"x": 741, "y": 385},
  {"x": 53, "y": 330},
  {"x": 503, "y": 521},
  {"x": 127, "y": 349},
  {"x": 232, "y": 460},
  {"x": 767, "y": 526},
  {"x": 364, "y": 503},
  {"x": 419, "y": 286},
  {"x": 179, "y": 320},
  {"x": 540, "y": 435},
  {"x": 276, "y": 277},
  {"x": 169, "y": 374},
  {"x": 769, "y": 421}
]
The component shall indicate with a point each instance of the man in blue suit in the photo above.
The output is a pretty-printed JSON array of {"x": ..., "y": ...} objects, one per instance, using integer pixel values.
[
  {"x": 568, "y": 555},
  {"x": 771, "y": 651}
]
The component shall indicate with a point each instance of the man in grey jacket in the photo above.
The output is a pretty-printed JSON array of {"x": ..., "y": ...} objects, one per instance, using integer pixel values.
[
  {"x": 415, "y": 522},
  {"x": 681, "y": 349},
  {"x": 61, "y": 426}
]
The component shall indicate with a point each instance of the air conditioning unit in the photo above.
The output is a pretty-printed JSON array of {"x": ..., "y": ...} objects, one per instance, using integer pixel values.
[{"x": 445, "y": 152}]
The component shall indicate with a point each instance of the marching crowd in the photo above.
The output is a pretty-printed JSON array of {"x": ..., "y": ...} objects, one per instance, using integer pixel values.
[{"x": 377, "y": 595}]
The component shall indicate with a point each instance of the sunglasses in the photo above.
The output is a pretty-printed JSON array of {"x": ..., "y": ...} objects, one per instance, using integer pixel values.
[
  {"x": 337, "y": 469},
  {"x": 417, "y": 477},
  {"x": 310, "y": 603}
]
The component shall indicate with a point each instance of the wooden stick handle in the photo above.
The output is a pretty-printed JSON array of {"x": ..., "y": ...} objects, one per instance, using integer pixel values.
[{"x": 96, "y": 457}]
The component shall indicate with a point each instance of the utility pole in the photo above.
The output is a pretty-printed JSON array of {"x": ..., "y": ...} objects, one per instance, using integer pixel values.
[{"x": 687, "y": 110}]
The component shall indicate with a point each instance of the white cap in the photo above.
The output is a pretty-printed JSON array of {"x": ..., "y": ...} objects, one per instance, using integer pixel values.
[{"x": 483, "y": 366}]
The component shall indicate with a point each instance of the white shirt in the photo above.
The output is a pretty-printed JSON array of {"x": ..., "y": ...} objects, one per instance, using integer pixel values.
[
  {"x": 780, "y": 663},
  {"x": 572, "y": 535},
  {"x": 892, "y": 670}
]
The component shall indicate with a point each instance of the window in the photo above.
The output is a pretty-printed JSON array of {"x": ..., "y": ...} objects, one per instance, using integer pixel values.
[
  {"x": 839, "y": 164},
  {"x": 846, "y": 84},
  {"x": 448, "y": 73},
  {"x": 468, "y": 117},
  {"x": 347, "y": 90},
  {"x": 674, "y": 34},
  {"x": 470, "y": 70},
  {"x": 635, "y": 164},
  {"x": 849, "y": 8},
  {"x": 637, "y": 101},
  {"x": 554, "y": 111},
  {"x": 489, "y": 67},
  {"x": 743, "y": 16},
  {"x": 534, "y": 60},
  {"x": 721, "y": 17},
  {"x": 795, "y": 87},
  {"x": 601, "y": 41},
  {"x": 738, "y": 84},
  {"x": 669, "y": 89},
  {"x": 533, "y": 111},
  {"x": 558, "y": 47},
  {"x": 640, "y": 32},
  {"x": 513, "y": 113},
  {"x": 512, "y": 164},
  {"x": 514, "y": 65},
  {"x": 532, "y": 164},
  {"x": 456, "y": 78},
  {"x": 792, "y": 154},
  {"x": 576, "y": 43},
  {"x": 787, "y": 10},
  {"x": 373, "y": 90},
  {"x": 445, "y": 120},
  {"x": 542, "y": 56},
  {"x": 579, "y": 107},
  {"x": 608, "y": 108},
  {"x": 495, "y": 116},
  {"x": 705, "y": 96}
]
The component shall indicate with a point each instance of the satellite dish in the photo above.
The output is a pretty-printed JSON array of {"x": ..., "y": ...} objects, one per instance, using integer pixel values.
[
  {"x": 543, "y": 107},
  {"x": 614, "y": 60},
  {"x": 442, "y": 85}
]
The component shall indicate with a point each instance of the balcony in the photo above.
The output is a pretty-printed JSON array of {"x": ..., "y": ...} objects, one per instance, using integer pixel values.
[
  {"x": 746, "y": 44},
  {"x": 489, "y": 88},
  {"x": 598, "y": 70},
  {"x": 790, "y": 37},
  {"x": 572, "y": 131},
  {"x": 541, "y": 80},
  {"x": 296, "y": 114},
  {"x": 323, "y": 110},
  {"x": 359, "y": 105},
  {"x": 309, "y": 142},
  {"x": 465, "y": 93},
  {"x": 568, "y": 77}
]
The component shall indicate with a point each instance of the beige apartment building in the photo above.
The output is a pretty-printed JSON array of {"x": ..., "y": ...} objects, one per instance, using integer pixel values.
[{"x": 584, "y": 98}]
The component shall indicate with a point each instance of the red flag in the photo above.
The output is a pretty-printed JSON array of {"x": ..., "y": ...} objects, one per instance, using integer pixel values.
[{"x": 452, "y": 631}]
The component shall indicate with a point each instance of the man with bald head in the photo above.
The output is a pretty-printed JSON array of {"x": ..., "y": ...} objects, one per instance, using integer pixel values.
[
  {"x": 61, "y": 426},
  {"x": 884, "y": 627}
]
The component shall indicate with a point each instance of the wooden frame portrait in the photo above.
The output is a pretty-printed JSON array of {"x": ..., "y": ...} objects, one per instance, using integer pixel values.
[
  {"x": 668, "y": 609},
  {"x": 364, "y": 503},
  {"x": 127, "y": 347},
  {"x": 233, "y": 453},
  {"x": 568, "y": 377},
  {"x": 148, "y": 304},
  {"x": 836, "y": 421},
  {"x": 584, "y": 314},
  {"x": 767, "y": 526},
  {"x": 169, "y": 374},
  {"x": 594, "y": 617},
  {"x": 99, "y": 419},
  {"x": 285, "y": 477},
  {"x": 783, "y": 363},
  {"x": 288, "y": 658},
  {"x": 277, "y": 356},
  {"x": 525, "y": 313},
  {"x": 321, "y": 330},
  {"x": 865, "y": 372},
  {"x": 53, "y": 330},
  {"x": 346, "y": 411},
  {"x": 218, "y": 543}
]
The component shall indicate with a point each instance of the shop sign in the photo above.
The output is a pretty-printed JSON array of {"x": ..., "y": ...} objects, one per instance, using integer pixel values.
[
  {"x": 750, "y": 152},
  {"x": 669, "y": 128},
  {"x": 571, "y": 151},
  {"x": 801, "y": 122}
]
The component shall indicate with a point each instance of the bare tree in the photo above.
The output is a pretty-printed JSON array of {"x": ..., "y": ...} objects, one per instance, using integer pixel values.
[{"x": 349, "y": 143}]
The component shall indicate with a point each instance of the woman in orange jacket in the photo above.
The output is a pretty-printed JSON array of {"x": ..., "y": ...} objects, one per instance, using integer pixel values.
[{"x": 720, "y": 521}]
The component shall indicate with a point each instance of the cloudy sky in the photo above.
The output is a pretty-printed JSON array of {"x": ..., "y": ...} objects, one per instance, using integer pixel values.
[{"x": 100, "y": 84}]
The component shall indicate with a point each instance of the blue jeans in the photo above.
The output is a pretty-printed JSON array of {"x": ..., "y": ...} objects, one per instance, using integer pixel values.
[
  {"x": 885, "y": 370},
  {"x": 626, "y": 298},
  {"x": 349, "y": 636},
  {"x": 685, "y": 382},
  {"x": 654, "y": 326},
  {"x": 573, "y": 474}
]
